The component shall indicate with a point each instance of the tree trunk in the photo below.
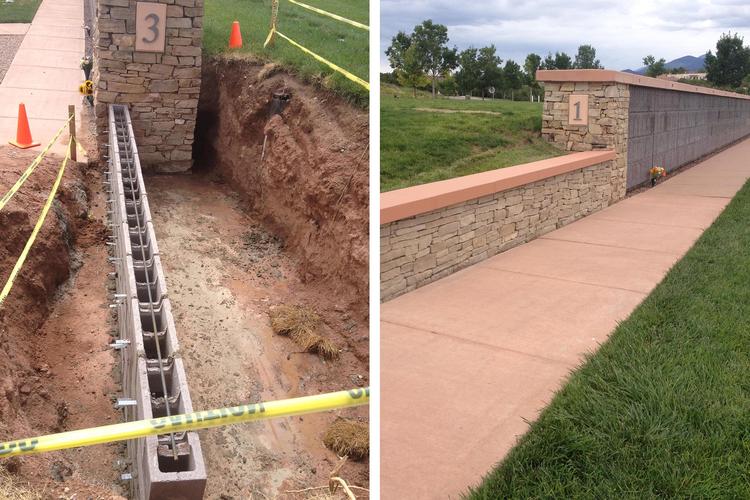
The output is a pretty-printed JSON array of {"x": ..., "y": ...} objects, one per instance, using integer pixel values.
[
  {"x": 434, "y": 79},
  {"x": 415, "y": 92}
]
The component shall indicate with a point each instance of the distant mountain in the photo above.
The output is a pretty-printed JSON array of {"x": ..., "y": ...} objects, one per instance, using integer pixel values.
[{"x": 691, "y": 63}]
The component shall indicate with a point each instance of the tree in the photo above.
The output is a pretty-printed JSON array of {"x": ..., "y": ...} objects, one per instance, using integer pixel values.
[
  {"x": 731, "y": 64},
  {"x": 549, "y": 61},
  {"x": 395, "y": 53},
  {"x": 468, "y": 76},
  {"x": 411, "y": 74},
  {"x": 448, "y": 86},
  {"x": 431, "y": 42},
  {"x": 512, "y": 75},
  {"x": 563, "y": 61},
  {"x": 586, "y": 58},
  {"x": 490, "y": 73},
  {"x": 654, "y": 68},
  {"x": 533, "y": 62}
]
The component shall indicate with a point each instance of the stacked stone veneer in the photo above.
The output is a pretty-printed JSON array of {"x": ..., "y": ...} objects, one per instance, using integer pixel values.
[
  {"x": 424, "y": 248},
  {"x": 607, "y": 128},
  {"x": 161, "y": 90}
]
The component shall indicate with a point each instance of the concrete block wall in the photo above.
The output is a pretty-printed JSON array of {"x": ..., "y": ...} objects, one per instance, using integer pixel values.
[
  {"x": 161, "y": 89},
  {"x": 670, "y": 128},
  {"x": 141, "y": 291},
  {"x": 423, "y": 248}
]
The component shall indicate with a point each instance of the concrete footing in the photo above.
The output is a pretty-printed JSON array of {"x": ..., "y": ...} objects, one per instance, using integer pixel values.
[{"x": 169, "y": 466}]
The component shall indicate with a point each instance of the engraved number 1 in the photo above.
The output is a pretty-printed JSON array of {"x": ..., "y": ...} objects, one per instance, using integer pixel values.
[{"x": 578, "y": 110}]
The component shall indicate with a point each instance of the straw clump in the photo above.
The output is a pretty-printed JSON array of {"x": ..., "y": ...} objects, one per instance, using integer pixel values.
[
  {"x": 350, "y": 438},
  {"x": 301, "y": 325}
]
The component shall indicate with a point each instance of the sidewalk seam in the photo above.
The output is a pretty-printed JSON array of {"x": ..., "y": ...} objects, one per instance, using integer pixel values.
[{"x": 477, "y": 343}]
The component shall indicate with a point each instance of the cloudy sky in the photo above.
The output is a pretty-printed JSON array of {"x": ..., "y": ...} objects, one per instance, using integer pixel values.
[{"x": 623, "y": 32}]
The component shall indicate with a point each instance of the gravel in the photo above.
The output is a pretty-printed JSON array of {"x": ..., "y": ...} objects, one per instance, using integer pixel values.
[{"x": 8, "y": 46}]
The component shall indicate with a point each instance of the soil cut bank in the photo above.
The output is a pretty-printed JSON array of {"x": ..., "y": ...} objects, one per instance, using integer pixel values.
[
  {"x": 55, "y": 367},
  {"x": 312, "y": 185}
]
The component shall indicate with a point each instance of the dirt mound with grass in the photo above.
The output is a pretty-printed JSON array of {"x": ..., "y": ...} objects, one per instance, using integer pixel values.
[{"x": 311, "y": 186}]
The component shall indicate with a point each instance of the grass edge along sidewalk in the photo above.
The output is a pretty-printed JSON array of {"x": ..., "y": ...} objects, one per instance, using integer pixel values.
[{"x": 662, "y": 409}]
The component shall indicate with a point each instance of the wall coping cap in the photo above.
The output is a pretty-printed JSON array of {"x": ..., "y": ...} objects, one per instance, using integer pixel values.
[
  {"x": 402, "y": 203},
  {"x": 608, "y": 75}
]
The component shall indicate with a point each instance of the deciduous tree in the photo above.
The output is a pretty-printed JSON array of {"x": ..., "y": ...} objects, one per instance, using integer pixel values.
[{"x": 731, "y": 64}]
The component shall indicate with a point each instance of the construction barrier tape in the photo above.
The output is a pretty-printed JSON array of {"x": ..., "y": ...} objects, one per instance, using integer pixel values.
[
  {"x": 269, "y": 37},
  {"x": 37, "y": 227},
  {"x": 5, "y": 199},
  {"x": 341, "y": 70},
  {"x": 185, "y": 422},
  {"x": 334, "y": 16},
  {"x": 80, "y": 149}
]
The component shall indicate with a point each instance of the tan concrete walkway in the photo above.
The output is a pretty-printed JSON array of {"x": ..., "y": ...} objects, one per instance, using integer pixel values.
[
  {"x": 466, "y": 359},
  {"x": 45, "y": 73}
]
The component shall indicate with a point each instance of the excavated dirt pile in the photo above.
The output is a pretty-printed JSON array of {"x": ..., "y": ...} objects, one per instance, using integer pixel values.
[{"x": 311, "y": 187}]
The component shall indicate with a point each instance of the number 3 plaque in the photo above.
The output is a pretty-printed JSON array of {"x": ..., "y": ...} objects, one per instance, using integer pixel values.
[
  {"x": 578, "y": 110},
  {"x": 150, "y": 25}
]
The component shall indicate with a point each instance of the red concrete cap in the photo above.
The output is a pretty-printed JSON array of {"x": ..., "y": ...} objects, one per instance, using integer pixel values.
[
  {"x": 407, "y": 202},
  {"x": 608, "y": 75}
]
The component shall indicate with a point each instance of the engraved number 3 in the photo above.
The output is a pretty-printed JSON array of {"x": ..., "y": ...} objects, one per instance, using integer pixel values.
[{"x": 154, "y": 28}]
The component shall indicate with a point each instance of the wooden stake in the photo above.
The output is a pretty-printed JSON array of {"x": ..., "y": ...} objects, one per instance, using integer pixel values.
[{"x": 73, "y": 144}]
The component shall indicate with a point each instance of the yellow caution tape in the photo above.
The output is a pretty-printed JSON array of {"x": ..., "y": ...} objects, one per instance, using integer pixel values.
[
  {"x": 37, "y": 227},
  {"x": 80, "y": 149},
  {"x": 186, "y": 422},
  {"x": 269, "y": 37},
  {"x": 329, "y": 14},
  {"x": 6, "y": 198},
  {"x": 341, "y": 70},
  {"x": 86, "y": 88}
]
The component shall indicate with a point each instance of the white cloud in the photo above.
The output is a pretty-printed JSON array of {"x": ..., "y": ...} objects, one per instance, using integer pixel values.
[{"x": 622, "y": 33}]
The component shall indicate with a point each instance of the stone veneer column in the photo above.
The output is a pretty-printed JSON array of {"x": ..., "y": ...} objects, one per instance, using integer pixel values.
[
  {"x": 608, "y": 105},
  {"x": 161, "y": 89}
]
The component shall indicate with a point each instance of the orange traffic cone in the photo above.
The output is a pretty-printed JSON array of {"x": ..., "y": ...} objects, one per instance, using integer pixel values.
[
  {"x": 235, "y": 39},
  {"x": 23, "y": 133}
]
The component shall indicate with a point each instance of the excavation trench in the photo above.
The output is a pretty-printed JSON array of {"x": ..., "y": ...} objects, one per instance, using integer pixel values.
[{"x": 236, "y": 239}]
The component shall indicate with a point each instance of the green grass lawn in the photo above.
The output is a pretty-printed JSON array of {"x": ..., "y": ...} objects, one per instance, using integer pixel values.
[
  {"x": 662, "y": 410},
  {"x": 340, "y": 43},
  {"x": 417, "y": 147},
  {"x": 19, "y": 11}
]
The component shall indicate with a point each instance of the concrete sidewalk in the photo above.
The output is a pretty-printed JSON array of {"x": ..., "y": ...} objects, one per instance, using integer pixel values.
[
  {"x": 45, "y": 73},
  {"x": 466, "y": 359}
]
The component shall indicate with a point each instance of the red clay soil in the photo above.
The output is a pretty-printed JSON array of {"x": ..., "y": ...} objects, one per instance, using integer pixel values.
[
  {"x": 312, "y": 186},
  {"x": 55, "y": 369}
]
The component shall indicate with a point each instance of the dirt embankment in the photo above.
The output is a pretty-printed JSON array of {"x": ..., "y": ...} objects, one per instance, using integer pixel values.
[
  {"x": 53, "y": 329},
  {"x": 312, "y": 186}
]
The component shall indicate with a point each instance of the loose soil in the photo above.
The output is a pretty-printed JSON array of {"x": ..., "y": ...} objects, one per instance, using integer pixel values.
[{"x": 224, "y": 272}]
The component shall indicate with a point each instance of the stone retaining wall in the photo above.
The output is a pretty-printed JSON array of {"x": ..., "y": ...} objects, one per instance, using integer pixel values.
[
  {"x": 161, "y": 89},
  {"x": 426, "y": 247}
]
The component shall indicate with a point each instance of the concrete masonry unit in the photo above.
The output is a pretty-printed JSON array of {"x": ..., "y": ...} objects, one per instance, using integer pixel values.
[{"x": 153, "y": 375}]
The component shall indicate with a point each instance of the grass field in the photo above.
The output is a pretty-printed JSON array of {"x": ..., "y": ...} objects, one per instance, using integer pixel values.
[
  {"x": 663, "y": 409},
  {"x": 420, "y": 146},
  {"x": 340, "y": 43},
  {"x": 19, "y": 11}
]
